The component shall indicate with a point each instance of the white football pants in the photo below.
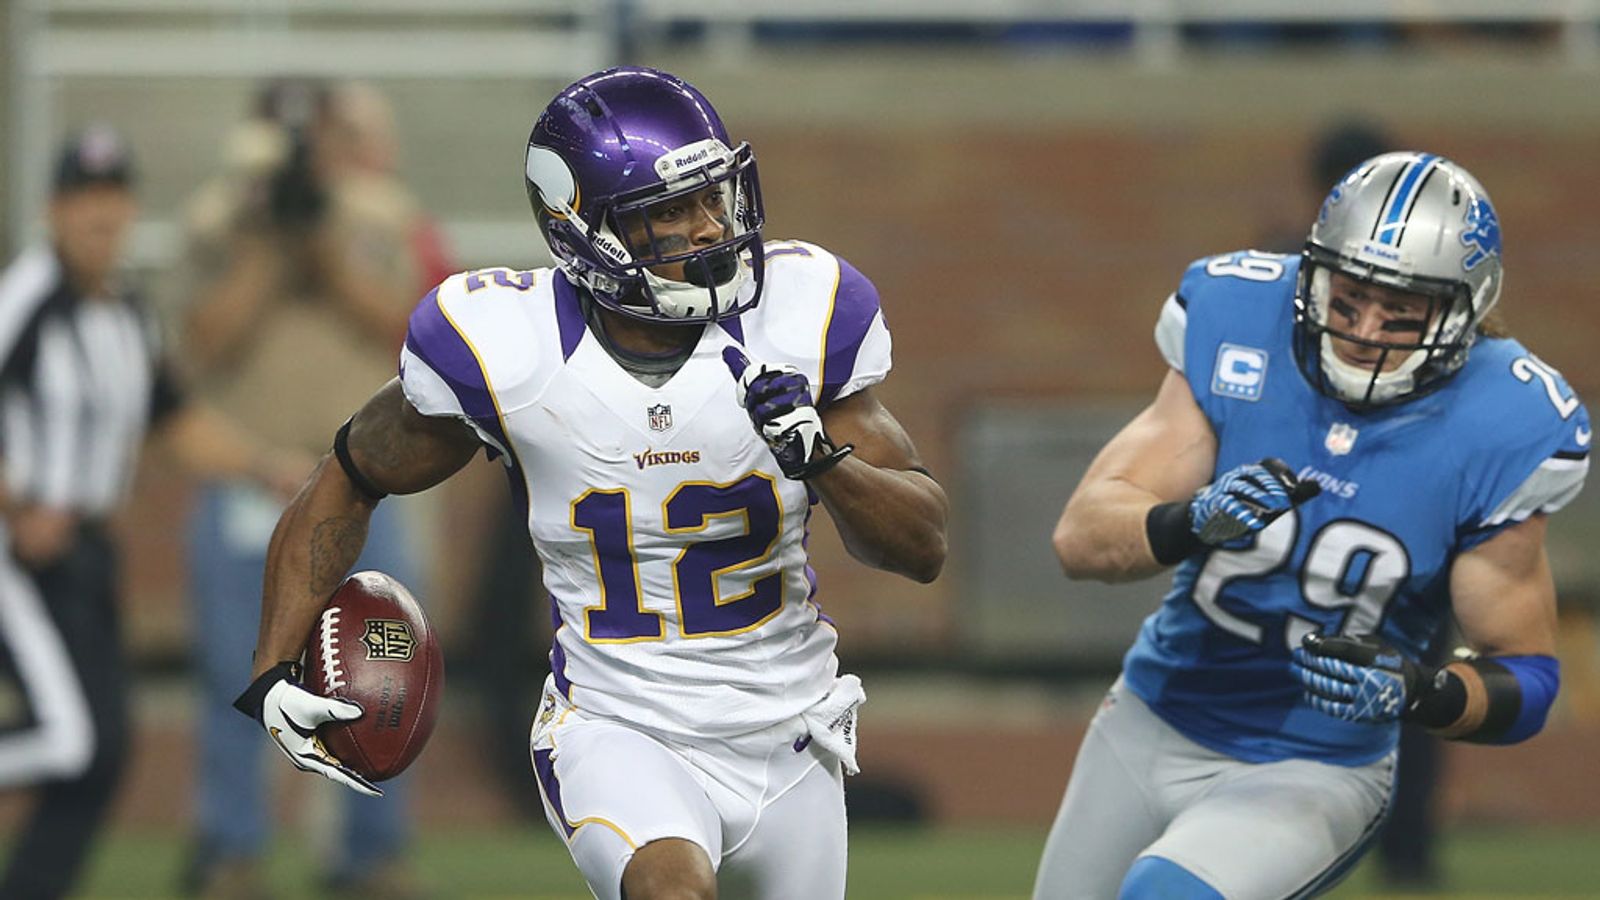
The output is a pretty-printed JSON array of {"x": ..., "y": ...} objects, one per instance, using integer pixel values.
[{"x": 770, "y": 817}]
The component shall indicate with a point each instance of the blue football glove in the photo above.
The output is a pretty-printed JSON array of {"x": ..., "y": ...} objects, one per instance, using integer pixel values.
[
  {"x": 1245, "y": 500},
  {"x": 1359, "y": 678},
  {"x": 778, "y": 400}
]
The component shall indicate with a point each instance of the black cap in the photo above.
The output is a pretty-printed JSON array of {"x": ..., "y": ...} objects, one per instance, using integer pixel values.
[
  {"x": 94, "y": 156},
  {"x": 294, "y": 103},
  {"x": 1344, "y": 145}
]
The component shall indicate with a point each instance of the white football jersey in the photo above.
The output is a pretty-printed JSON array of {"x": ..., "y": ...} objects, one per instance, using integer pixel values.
[{"x": 673, "y": 546}]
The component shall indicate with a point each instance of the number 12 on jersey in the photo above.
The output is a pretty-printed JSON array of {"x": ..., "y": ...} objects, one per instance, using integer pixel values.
[{"x": 697, "y": 572}]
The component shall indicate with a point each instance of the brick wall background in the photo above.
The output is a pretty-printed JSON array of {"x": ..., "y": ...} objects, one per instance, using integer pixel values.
[{"x": 1023, "y": 219}]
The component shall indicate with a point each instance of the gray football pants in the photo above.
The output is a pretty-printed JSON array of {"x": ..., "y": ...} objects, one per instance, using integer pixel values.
[{"x": 1252, "y": 831}]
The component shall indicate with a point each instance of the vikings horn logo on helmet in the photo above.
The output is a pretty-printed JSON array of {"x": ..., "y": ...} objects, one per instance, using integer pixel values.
[{"x": 550, "y": 174}]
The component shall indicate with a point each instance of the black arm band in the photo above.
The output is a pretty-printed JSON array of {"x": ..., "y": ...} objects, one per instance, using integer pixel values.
[
  {"x": 1166, "y": 526},
  {"x": 1463, "y": 711},
  {"x": 341, "y": 451},
  {"x": 255, "y": 696}
]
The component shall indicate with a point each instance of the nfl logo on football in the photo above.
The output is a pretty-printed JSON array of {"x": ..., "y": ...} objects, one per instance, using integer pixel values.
[
  {"x": 660, "y": 417},
  {"x": 1341, "y": 438}
]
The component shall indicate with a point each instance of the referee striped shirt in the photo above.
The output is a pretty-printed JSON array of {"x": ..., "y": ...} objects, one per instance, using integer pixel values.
[{"x": 81, "y": 379}]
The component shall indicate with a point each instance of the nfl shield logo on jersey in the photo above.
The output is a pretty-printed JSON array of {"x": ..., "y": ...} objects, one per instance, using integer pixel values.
[
  {"x": 1341, "y": 438},
  {"x": 660, "y": 417}
]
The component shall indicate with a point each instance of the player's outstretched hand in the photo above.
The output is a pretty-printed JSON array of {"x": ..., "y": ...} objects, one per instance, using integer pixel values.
[
  {"x": 1245, "y": 500},
  {"x": 778, "y": 399},
  {"x": 291, "y": 715},
  {"x": 1359, "y": 679}
]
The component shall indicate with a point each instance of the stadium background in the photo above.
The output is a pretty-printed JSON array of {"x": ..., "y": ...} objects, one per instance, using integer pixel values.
[{"x": 1024, "y": 182}]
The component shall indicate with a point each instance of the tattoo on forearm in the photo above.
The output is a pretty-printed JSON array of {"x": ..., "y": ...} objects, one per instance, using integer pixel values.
[{"x": 335, "y": 544}]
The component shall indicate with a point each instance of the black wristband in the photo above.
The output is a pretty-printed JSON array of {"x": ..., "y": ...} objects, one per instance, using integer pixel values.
[
  {"x": 341, "y": 452},
  {"x": 1443, "y": 702},
  {"x": 255, "y": 696},
  {"x": 1166, "y": 527}
]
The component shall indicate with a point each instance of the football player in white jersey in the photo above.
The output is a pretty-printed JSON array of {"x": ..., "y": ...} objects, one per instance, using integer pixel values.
[{"x": 669, "y": 403}]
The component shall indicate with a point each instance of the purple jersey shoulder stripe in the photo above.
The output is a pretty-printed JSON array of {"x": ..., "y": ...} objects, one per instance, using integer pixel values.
[
  {"x": 855, "y": 305},
  {"x": 545, "y": 768},
  {"x": 434, "y": 339},
  {"x": 734, "y": 327},
  {"x": 569, "y": 316}
]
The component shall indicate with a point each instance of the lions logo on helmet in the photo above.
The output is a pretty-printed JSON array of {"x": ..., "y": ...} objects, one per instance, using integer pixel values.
[{"x": 1482, "y": 233}]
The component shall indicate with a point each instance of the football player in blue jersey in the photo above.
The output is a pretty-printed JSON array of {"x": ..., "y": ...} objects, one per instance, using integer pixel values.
[
  {"x": 670, "y": 402},
  {"x": 1343, "y": 454}
]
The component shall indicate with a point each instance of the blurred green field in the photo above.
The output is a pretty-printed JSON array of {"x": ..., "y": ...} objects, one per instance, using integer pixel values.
[{"x": 892, "y": 864}]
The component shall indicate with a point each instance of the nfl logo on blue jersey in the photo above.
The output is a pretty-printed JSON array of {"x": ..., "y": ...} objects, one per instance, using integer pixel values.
[
  {"x": 1341, "y": 439},
  {"x": 1240, "y": 373},
  {"x": 660, "y": 417}
]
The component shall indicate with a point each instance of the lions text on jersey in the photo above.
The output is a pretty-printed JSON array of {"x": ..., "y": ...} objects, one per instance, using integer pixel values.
[
  {"x": 1406, "y": 489},
  {"x": 673, "y": 546}
]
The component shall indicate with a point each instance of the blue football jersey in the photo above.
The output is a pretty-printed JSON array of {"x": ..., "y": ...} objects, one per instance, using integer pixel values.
[{"x": 1405, "y": 489}]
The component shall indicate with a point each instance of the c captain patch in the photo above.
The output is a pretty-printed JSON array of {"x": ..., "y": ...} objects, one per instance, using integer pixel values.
[{"x": 1241, "y": 371}]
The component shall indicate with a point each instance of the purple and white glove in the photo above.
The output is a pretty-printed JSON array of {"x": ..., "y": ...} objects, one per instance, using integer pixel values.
[{"x": 778, "y": 400}]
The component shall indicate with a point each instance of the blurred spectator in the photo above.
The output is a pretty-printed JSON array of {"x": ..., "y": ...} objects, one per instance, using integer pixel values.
[
  {"x": 506, "y": 641},
  {"x": 1335, "y": 150},
  {"x": 305, "y": 258},
  {"x": 1406, "y": 844},
  {"x": 82, "y": 381}
]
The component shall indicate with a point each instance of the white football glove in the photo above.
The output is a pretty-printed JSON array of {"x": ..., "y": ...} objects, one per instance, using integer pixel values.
[{"x": 291, "y": 715}]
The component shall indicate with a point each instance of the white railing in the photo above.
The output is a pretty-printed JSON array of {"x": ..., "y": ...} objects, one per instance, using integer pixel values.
[
  {"x": 1155, "y": 24},
  {"x": 52, "y": 42}
]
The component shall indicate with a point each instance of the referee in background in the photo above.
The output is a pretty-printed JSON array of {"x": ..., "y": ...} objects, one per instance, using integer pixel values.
[{"x": 82, "y": 383}]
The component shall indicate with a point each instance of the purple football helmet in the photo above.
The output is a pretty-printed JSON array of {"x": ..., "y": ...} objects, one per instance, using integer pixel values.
[{"x": 615, "y": 144}]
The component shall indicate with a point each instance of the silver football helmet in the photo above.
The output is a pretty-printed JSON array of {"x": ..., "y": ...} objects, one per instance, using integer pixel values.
[{"x": 1413, "y": 222}]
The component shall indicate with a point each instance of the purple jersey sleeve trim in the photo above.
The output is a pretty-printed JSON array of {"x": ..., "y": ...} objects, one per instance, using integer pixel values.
[
  {"x": 434, "y": 339},
  {"x": 855, "y": 305},
  {"x": 569, "y": 316}
]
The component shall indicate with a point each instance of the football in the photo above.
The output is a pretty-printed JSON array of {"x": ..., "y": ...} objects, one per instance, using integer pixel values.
[{"x": 372, "y": 646}]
